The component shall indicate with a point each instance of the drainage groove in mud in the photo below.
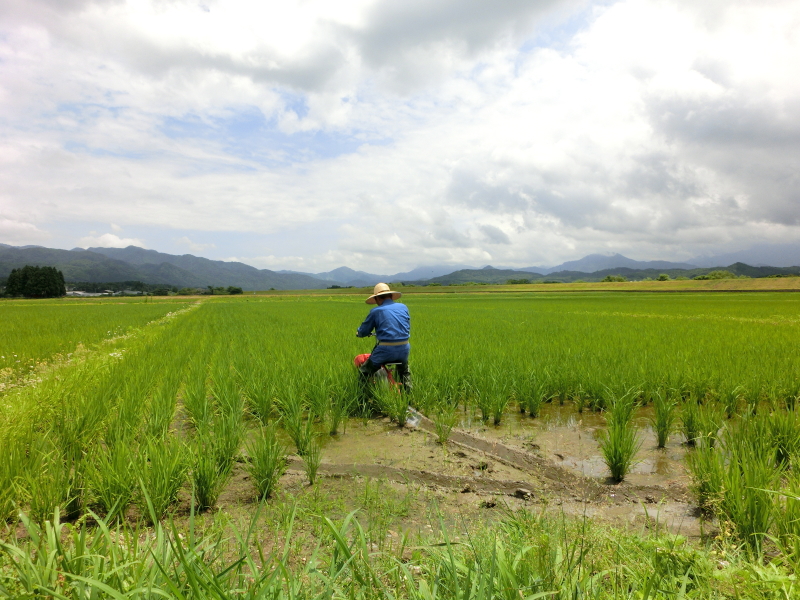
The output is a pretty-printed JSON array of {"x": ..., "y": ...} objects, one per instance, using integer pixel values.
[
  {"x": 552, "y": 477},
  {"x": 520, "y": 489}
]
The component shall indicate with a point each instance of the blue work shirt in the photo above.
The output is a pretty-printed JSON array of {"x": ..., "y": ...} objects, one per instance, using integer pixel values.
[
  {"x": 392, "y": 323},
  {"x": 390, "y": 320}
]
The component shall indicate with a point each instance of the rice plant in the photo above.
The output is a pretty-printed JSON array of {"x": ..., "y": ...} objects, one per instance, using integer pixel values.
[
  {"x": 792, "y": 395},
  {"x": 162, "y": 472},
  {"x": 267, "y": 460},
  {"x": 162, "y": 409},
  {"x": 341, "y": 403},
  {"x": 734, "y": 478},
  {"x": 484, "y": 403},
  {"x": 210, "y": 469},
  {"x": 256, "y": 383},
  {"x": 393, "y": 403},
  {"x": 709, "y": 422},
  {"x": 535, "y": 398},
  {"x": 319, "y": 398},
  {"x": 747, "y": 503},
  {"x": 707, "y": 466},
  {"x": 580, "y": 399},
  {"x": 299, "y": 428},
  {"x": 195, "y": 394},
  {"x": 664, "y": 417},
  {"x": 228, "y": 432},
  {"x": 499, "y": 402},
  {"x": 224, "y": 389},
  {"x": 48, "y": 482},
  {"x": 730, "y": 400},
  {"x": 690, "y": 421},
  {"x": 444, "y": 421},
  {"x": 312, "y": 460},
  {"x": 784, "y": 436},
  {"x": 36, "y": 333},
  {"x": 788, "y": 520},
  {"x": 12, "y": 470},
  {"x": 620, "y": 442},
  {"x": 112, "y": 478}
]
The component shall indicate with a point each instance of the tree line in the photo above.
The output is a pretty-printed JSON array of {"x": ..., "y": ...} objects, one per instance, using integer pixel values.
[
  {"x": 35, "y": 282},
  {"x": 48, "y": 282}
]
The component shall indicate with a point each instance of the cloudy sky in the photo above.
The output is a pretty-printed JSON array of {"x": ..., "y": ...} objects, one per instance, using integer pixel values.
[{"x": 385, "y": 134}]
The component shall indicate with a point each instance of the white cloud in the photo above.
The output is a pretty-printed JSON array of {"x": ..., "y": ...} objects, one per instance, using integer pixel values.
[
  {"x": 396, "y": 134},
  {"x": 20, "y": 233},
  {"x": 109, "y": 240},
  {"x": 193, "y": 246}
]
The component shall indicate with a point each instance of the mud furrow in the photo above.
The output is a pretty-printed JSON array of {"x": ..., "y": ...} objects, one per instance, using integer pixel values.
[
  {"x": 553, "y": 477},
  {"x": 520, "y": 489}
]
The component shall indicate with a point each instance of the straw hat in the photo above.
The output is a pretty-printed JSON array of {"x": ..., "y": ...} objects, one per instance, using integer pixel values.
[{"x": 380, "y": 290}]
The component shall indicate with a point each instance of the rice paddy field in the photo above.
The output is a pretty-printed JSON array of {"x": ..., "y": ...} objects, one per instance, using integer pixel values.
[{"x": 569, "y": 445}]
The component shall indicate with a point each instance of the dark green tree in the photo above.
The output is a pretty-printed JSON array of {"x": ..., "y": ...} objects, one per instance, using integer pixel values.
[
  {"x": 36, "y": 282},
  {"x": 232, "y": 289}
]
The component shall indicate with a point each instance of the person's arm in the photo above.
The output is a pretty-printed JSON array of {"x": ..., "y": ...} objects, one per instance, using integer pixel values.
[{"x": 366, "y": 327}]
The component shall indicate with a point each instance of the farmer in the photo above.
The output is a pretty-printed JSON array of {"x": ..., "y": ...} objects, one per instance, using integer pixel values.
[{"x": 392, "y": 325}]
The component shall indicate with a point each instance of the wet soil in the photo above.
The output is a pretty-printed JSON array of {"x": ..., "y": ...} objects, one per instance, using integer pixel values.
[
  {"x": 553, "y": 460},
  {"x": 403, "y": 483}
]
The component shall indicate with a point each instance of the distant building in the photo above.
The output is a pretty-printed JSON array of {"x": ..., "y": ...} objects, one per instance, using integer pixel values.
[{"x": 85, "y": 294}]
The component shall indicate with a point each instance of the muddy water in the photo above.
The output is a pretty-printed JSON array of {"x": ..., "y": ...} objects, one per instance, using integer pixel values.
[
  {"x": 553, "y": 461},
  {"x": 569, "y": 440},
  {"x": 378, "y": 442}
]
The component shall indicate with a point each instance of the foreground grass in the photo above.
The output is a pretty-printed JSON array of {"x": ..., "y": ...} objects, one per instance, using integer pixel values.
[{"x": 524, "y": 554}]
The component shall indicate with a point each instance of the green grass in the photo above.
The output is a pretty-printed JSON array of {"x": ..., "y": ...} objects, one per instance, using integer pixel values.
[
  {"x": 35, "y": 331},
  {"x": 525, "y": 554}
]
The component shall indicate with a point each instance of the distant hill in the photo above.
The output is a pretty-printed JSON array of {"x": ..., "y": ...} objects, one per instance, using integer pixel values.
[
  {"x": 776, "y": 255},
  {"x": 77, "y": 265},
  {"x": 137, "y": 264},
  {"x": 490, "y": 275},
  {"x": 349, "y": 276},
  {"x": 485, "y": 275},
  {"x": 428, "y": 272},
  {"x": 599, "y": 262},
  {"x": 101, "y": 265}
]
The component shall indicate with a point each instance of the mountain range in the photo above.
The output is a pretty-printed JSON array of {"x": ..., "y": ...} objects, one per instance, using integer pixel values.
[{"x": 98, "y": 265}]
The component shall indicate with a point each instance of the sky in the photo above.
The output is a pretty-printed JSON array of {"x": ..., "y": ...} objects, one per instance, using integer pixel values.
[{"x": 383, "y": 135}]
